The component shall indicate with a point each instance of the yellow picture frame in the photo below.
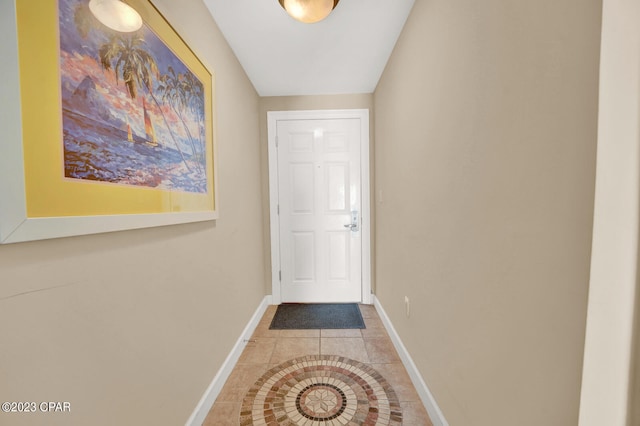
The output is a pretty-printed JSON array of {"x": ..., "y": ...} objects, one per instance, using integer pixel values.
[{"x": 39, "y": 198}]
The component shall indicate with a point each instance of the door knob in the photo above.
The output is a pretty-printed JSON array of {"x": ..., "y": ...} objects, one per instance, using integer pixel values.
[{"x": 354, "y": 221}]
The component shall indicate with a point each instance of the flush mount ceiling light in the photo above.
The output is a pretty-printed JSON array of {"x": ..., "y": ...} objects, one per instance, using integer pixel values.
[
  {"x": 116, "y": 15},
  {"x": 309, "y": 11}
]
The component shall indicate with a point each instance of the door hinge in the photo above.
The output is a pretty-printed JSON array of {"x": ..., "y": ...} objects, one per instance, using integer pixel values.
[
  {"x": 280, "y": 275},
  {"x": 277, "y": 141},
  {"x": 278, "y": 208}
]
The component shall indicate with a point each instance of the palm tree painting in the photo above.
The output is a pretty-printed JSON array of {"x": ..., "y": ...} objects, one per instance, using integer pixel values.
[{"x": 133, "y": 112}]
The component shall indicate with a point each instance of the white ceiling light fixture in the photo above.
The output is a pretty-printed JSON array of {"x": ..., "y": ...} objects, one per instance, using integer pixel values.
[
  {"x": 309, "y": 11},
  {"x": 116, "y": 15}
]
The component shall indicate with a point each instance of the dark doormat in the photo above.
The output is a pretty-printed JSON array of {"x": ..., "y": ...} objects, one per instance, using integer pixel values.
[{"x": 304, "y": 316}]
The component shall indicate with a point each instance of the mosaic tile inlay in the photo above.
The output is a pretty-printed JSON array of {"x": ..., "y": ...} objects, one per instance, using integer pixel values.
[{"x": 317, "y": 390}]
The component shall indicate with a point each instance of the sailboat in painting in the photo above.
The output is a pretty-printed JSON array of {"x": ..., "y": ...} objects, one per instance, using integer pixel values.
[
  {"x": 129, "y": 133},
  {"x": 148, "y": 127}
]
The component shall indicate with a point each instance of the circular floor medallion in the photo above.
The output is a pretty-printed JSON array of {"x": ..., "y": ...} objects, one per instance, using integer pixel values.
[
  {"x": 321, "y": 390},
  {"x": 321, "y": 401}
]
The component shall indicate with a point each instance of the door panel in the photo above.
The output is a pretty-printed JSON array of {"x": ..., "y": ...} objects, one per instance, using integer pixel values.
[
  {"x": 303, "y": 254},
  {"x": 337, "y": 188},
  {"x": 302, "y": 188},
  {"x": 338, "y": 255},
  {"x": 319, "y": 187}
]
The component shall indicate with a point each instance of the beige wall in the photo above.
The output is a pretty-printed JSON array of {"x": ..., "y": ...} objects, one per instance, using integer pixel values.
[
  {"x": 485, "y": 166},
  {"x": 300, "y": 103},
  {"x": 131, "y": 327}
]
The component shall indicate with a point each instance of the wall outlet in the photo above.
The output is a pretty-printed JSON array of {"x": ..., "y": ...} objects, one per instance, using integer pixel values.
[{"x": 407, "y": 305}]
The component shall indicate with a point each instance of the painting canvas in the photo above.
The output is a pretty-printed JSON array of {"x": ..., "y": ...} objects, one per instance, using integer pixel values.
[
  {"x": 133, "y": 112},
  {"x": 104, "y": 131}
]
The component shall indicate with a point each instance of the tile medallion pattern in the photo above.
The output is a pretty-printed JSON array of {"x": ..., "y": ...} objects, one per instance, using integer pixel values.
[{"x": 317, "y": 390}]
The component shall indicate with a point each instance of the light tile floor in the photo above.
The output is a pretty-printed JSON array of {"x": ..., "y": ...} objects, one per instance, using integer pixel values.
[{"x": 370, "y": 346}]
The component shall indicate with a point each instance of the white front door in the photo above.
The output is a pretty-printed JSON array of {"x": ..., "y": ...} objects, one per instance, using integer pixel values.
[{"x": 319, "y": 210}]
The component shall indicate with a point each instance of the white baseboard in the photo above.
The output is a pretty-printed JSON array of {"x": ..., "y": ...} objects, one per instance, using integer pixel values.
[
  {"x": 421, "y": 387},
  {"x": 212, "y": 392}
]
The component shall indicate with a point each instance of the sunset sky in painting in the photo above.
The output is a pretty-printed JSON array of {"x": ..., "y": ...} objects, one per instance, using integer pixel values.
[{"x": 79, "y": 58}]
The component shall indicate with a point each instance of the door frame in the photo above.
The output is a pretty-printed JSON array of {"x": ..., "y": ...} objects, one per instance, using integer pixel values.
[{"x": 272, "y": 121}]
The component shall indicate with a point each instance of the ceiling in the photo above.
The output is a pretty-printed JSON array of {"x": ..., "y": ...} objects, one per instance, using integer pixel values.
[{"x": 345, "y": 53}]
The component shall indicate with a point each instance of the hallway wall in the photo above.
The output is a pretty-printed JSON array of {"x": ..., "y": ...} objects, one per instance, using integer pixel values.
[
  {"x": 130, "y": 327},
  {"x": 486, "y": 129}
]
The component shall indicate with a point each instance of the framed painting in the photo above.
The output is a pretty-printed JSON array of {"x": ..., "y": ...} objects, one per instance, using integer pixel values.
[{"x": 103, "y": 131}]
